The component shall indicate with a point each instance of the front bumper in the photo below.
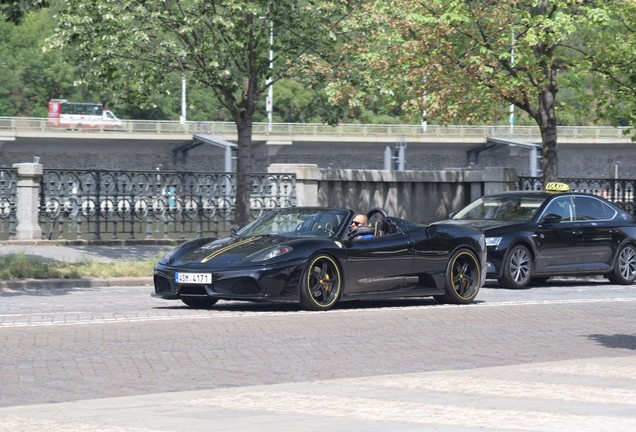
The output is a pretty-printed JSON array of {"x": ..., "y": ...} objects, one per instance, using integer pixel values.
[
  {"x": 267, "y": 283},
  {"x": 494, "y": 262}
]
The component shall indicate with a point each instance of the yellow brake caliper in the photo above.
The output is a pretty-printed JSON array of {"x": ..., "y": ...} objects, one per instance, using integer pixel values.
[{"x": 326, "y": 285}]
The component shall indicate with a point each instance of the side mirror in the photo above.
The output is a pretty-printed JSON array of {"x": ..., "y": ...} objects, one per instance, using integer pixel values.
[
  {"x": 552, "y": 218},
  {"x": 234, "y": 229},
  {"x": 452, "y": 214}
]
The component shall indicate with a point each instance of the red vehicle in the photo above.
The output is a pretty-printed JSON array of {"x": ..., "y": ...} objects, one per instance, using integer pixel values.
[{"x": 75, "y": 115}]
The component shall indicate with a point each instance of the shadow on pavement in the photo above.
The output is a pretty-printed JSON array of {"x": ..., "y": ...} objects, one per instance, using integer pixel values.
[
  {"x": 551, "y": 283},
  {"x": 247, "y": 306},
  {"x": 615, "y": 341}
]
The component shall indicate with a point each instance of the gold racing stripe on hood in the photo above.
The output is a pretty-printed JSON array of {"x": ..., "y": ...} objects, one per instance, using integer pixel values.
[{"x": 227, "y": 248}]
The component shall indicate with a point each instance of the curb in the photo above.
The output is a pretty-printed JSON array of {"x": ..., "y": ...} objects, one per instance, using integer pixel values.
[{"x": 74, "y": 283}]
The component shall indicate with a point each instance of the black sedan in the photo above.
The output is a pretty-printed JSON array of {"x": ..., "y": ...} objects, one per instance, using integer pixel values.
[
  {"x": 310, "y": 256},
  {"x": 533, "y": 235}
]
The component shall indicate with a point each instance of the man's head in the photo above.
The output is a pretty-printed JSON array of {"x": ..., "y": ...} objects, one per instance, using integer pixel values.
[{"x": 360, "y": 219}]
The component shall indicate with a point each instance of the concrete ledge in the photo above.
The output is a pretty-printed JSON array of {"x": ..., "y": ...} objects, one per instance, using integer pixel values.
[{"x": 150, "y": 242}]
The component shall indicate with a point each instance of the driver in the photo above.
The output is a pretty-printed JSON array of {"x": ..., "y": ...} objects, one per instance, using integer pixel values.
[{"x": 360, "y": 220}]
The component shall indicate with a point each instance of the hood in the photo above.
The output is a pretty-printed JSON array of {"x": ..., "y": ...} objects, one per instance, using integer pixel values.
[
  {"x": 230, "y": 250},
  {"x": 483, "y": 224}
]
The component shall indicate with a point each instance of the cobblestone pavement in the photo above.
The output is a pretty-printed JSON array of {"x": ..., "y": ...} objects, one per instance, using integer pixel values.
[
  {"x": 595, "y": 395},
  {"x": 115, "y": 359}
]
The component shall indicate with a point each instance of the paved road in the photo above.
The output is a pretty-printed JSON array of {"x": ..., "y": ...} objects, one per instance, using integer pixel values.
[{"x": 114, "y": 359}]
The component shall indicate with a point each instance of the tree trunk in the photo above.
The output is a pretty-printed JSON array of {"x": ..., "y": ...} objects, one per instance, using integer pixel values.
[
  {"x": 548, "y": 126},
  {"x": 243, "y": 171}
]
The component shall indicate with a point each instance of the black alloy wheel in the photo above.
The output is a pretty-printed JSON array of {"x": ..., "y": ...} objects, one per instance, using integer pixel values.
[
  {"x": 517, "y": 268},
  {"x": 624, "y": 272},
  {"x": 321, "y": 284},
  {"x": 463, "y": 278}
]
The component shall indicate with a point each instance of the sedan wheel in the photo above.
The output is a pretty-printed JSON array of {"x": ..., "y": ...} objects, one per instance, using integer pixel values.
[
  {"x": 517, "y": 268},
  {"x": 463, "y": 278},
  {"x": 321, "y": 284},
  {"x": 624, "y": 272}
]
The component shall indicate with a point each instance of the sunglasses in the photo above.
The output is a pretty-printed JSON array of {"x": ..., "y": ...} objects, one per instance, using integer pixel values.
[{"x": 356, "y": 223}]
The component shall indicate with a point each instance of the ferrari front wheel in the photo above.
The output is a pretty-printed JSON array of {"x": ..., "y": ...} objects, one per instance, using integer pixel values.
[
  {"x": 463, "y": 278},
  {"x": 321, "y": 284}
]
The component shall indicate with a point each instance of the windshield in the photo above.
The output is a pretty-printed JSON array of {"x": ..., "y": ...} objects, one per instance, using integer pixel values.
[
  {"x": 502, "y": 207},
  {"x": 298, "y": 222}
]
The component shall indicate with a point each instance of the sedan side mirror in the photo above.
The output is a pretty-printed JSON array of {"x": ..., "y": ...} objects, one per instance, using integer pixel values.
[
  {"x": 234, "y": 229},
  {"x": 552, "y": 218}
]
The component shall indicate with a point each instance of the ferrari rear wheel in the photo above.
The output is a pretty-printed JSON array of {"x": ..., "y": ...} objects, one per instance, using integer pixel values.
[
  {"x": 199, "y": 302},
  {"x": 463, "y": 278},
  {"x": 321, "y": 284}
]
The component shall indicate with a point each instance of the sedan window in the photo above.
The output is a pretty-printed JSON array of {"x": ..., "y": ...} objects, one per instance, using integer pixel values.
[
  {"x": 588, "y": 208},
  {"x": 501, "y": 207},
  {"x": 561, "y": 207}
]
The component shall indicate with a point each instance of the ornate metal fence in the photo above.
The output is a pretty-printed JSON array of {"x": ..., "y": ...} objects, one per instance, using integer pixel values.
[
  {"x": 620, "y": 192},
  {"x": 109, "y": 205},
  {"x": 8, "y": 188}
]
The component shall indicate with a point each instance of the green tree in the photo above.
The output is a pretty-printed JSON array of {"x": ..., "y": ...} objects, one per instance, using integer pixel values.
[
  {"x": 464, "y": 60},
  {"x": 31, "y": 76},
  {"x": 614, "y": 59},
  {"x": 15, "y": 10},
  {"x": 130, "y": 46}
]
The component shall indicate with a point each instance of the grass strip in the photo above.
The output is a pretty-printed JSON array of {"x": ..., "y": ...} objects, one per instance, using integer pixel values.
[{"x": 20, "y": 266}]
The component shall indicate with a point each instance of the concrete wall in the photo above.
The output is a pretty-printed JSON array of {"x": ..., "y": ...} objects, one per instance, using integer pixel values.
[
  {"x": 421, "y": 196},
  {"x": 587, "y": 160}
]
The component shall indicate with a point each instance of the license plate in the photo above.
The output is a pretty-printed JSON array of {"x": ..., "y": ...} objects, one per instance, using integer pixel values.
[{"x": 193, "y": 278}]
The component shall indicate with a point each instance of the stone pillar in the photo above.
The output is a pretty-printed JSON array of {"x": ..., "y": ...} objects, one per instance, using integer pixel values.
[
  {"x": 490, "y": 180},
  {"x": 307, "y": 176},
  {"x": 499, "y": 180},
  {"x": 28, "y": 201}
]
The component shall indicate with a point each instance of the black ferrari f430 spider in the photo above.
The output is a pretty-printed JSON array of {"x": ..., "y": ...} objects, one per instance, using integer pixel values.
[{"x": 310, "y": 256}]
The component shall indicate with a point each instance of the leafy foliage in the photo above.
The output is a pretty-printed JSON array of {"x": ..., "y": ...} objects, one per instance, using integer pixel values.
[
  {"x": 612, "y": 55},
  {"x": 130, "y": 46},
  {"x": 30, "y": 76},
  {"x": 14, "y": 10},
  {"x": 463, "y": 61},
  {"x": 335, "y": 96}
]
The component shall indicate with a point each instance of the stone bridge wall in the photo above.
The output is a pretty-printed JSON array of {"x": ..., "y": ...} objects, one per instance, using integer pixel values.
[{"x": 591, "y": 160}]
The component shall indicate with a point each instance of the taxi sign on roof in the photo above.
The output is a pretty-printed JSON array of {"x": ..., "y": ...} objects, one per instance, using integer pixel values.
[{"x": 557, "y": 187}]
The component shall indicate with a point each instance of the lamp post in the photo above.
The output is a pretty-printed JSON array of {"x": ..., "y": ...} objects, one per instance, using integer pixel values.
[
  {"x": 183, "y": 99},
  {"x": 512, "y": 62},
  {"x": 269, "y": 102},
  {"x": 182, "y": 118}
]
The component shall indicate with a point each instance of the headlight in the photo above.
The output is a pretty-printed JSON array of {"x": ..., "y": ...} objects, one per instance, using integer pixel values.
[
  {"x": 272, "y": 253},
  {"x": 493, "y": 241},
  {"x": 167, "y": 258}
]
